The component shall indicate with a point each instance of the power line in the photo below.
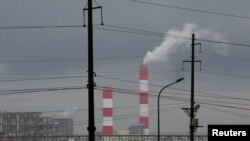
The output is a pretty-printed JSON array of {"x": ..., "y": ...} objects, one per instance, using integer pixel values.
[
  {"x": 40, "y": 74},
  {"x": 127, "y": 30},
  {"x": 80, "y": 59},
  {"x": 186, "y": 99},
  {"x": 226, "y": 56},
  {"x": 40, "y": 27},
  {"x": 180, "y": 89},
  {"x": 212, "y": 72},
  {"x": 115, "y": 108},
  {"x": 193, "y": 10},
  {"x": 225, "y": 106},
  {"x": 206, "y": 103},
  {"x": 41, "y": 78},
  {"x": 224, "y": 102},
  {"x": 150, "y": 33},
  {"x": 135, "y": 92},
  {"x": 45, "y": 60},
  {"x": 115, "y": 73},
  {"x": 225, "y": 74},
  {"x": 223, "y": 42},
  {"x": 228, "y": 112},
  {"x": 206, "y": 71},
  {"x": 129, "y": 92},
  {"x": 26, "y": 91}
]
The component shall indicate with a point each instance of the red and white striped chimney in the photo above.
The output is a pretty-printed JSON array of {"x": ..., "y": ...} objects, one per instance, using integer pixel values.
[
  {"x": 144, "y": 119},
  {"x": 107, "y": 112}
]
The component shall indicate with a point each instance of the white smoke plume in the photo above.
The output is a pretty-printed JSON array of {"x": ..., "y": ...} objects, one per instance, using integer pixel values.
[
  {"x": 159, "y": 54},
  {"x": 68, "y": 112}
]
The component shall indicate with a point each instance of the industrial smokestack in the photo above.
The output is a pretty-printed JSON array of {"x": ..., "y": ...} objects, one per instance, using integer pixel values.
[
  {"x": 107, "y": 112},
  {"x": 143, "y": 96}
]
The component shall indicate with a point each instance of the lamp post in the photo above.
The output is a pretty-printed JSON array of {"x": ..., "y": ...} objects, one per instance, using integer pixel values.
[{"x": 158, "y": 105}]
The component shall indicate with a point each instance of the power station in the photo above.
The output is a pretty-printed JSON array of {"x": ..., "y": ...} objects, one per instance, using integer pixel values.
[{"x": 107, "y": 113}]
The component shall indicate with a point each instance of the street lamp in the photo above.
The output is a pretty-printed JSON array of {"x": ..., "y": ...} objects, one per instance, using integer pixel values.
[{"x": 158, "y": 105}]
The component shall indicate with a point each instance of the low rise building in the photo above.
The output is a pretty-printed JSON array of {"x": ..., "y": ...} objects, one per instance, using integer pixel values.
[{"x": 33, "y": 123}]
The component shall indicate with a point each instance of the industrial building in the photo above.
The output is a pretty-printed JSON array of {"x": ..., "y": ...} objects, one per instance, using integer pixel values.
[{"x": 33, "y": 124}]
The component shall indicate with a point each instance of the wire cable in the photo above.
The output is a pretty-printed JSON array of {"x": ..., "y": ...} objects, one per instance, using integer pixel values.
[
  {"x": 128, "y": 30},
  {"x": 41, "y": 78},
  {"x": 114, "y": 108},
  {"x": 179, "y": 89},
  {"x": 228, "y": 112},
  {"x": 40, "y": 27},
  {"x": 150, "y": 33},
  {"x": 226, "y": 56},
  {"x": 26, "y": 91},
  {"x": 209, "y": 102},
  {"x": 193, "y": 10}
]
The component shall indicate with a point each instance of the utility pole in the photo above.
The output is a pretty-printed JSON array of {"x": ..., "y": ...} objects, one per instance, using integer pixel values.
[
  {"x": 91, "y": 84},
  {"x": 91, "y": 126},
  {"x": 192, "y": 91},
  {"x": 192, "y": 110}
]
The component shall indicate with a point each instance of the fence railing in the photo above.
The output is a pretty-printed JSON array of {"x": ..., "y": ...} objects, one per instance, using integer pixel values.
[{"x": 106, "y": 138}]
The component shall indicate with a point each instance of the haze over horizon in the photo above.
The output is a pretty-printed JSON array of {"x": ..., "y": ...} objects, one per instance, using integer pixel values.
[{"x": 36, "y": 53}]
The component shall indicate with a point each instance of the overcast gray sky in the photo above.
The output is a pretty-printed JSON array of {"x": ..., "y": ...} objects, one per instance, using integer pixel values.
[{"x": 61, "y": 52}]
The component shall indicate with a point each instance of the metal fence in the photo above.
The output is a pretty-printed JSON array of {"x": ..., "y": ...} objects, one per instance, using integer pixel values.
[{"x": 106, "y": 138}]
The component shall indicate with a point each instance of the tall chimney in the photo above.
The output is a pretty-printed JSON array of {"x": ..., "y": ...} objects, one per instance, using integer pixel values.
[
  {"x": 107, "y": 112},
  {"x": 144, "y": 119}
]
